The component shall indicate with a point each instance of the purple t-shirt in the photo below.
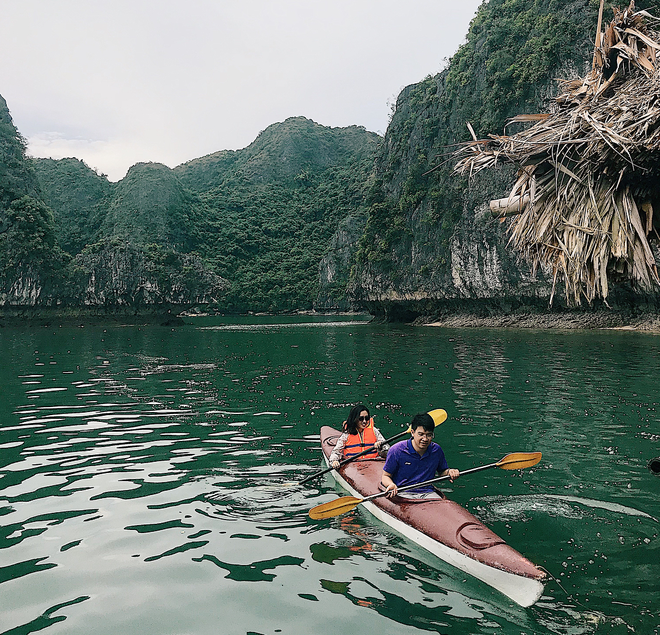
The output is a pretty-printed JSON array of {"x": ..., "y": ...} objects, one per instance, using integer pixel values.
[{"x": 407, "y": 467}]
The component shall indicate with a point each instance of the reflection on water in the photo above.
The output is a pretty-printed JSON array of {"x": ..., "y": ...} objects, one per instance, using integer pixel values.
[{"x": 148, "y": 477}]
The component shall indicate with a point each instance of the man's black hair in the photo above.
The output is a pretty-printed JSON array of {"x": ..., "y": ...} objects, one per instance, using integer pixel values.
[{"x": 425, "y": 420}]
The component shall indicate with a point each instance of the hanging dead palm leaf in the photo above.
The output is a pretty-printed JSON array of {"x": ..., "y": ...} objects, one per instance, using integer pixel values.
[{"x": 588, "y": 180}]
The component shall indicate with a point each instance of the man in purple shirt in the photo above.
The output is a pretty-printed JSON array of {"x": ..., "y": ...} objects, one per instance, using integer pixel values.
[{"x": 416, "y": 460}]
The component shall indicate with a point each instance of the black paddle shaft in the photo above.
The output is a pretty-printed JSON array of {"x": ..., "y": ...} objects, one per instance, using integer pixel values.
[
  {"x": 431, "y": 481},
  {"x": 352, "y": 458}
]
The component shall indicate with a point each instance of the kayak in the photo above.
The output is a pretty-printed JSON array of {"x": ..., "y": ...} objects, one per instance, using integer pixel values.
[{"x": 442, "y": 527}]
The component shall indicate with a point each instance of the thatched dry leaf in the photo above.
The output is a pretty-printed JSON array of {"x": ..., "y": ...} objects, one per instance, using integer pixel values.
[{"x": 588, "y": 167}]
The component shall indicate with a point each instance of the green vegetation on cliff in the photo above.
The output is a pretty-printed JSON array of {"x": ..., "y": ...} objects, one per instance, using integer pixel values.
[
  {"x": 242, "y": 230},
  {"x": 78, "y": 197},
  {"x": 17, "y": 177},
  {"x": 285, "y": 153},
  {"x": 268, "y": 240},
  {"x": 29, "y": 253},
  {"x": 150, "y": 205},
  {"x": 271, "y": 218},
  {"x": 514, "y": 51}
]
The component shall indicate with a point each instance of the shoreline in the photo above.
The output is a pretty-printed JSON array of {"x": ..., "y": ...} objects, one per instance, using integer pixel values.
[
  {"x": 49, "y": 317},
  {"x": 612, "y": 321},
  {"x": 644, "y": 320}
]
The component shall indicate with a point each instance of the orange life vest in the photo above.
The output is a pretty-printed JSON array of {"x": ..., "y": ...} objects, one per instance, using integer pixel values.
[{"x": 354, "y": 444}]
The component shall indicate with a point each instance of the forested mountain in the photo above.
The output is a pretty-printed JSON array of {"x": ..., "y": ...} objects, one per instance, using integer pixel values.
[
  {"x": 29, "y": 253},
  {"x": 287, "y": 153},
  {"x": 430, "y": 245},
  {"x": 271, "y": 210},
  {"x": 78, "y": 198},
  {"x": 271, "y": 216},
  {"x": 308, "y": 216},
  {"x": 237, "y": 230},
  {"x": 17, "y": 177},
  {"x": 150, "y": 205}
]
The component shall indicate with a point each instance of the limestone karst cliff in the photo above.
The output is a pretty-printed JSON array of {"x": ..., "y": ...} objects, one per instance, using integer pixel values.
[
  {"x": 72, "y": 245},
  {"x": 430, "y": 246},
  {"x": 234, "y": 231},
  {"x": 309, "y": 216}
]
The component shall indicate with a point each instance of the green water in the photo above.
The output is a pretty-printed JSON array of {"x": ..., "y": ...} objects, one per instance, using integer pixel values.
[{"x": 144, "y": 478}]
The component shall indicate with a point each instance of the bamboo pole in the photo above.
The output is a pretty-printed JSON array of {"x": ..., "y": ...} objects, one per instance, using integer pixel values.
[
  {"x": 510, "y": 206},
  {"x": 598, "y": 36}
]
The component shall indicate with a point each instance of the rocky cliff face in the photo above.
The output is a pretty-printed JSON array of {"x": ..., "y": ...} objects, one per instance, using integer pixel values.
[
  {"x": 110, "y": 280},
  {"x": 436, "y": 269},
  {"x": 123, "y": 275},
  {"x": 430, "y": 246},
  {"x": 237, "y": 230},
  {"x": 124, "y": 244},
  {"x": 335, "y": 266}
]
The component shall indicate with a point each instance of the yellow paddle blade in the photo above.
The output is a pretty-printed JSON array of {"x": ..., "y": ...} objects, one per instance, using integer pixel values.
[
  {"x": 438, "y": 415},
  {"x": 519, "y": 460},
  {"x": 334, "y": 508},
  {"x": 280, "y": 485}
]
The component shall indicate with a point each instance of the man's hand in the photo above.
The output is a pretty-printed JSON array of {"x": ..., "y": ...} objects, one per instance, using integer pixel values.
[
  {"x": 453, "y": 474},
  {"x": 391, "y": 490},
  {"x": 389, "y": 485}
]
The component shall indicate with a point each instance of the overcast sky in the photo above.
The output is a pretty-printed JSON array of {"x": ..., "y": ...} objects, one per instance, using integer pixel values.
[{"x": 115, "y": 82}]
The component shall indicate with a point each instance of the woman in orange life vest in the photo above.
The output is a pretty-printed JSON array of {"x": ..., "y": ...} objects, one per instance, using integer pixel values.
[{"x": 359, "y": 434}]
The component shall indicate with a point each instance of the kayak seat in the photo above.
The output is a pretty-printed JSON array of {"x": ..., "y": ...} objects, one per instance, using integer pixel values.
[
  {"x": 474, "y": 536},
  {"x": 332, "y": 441}
]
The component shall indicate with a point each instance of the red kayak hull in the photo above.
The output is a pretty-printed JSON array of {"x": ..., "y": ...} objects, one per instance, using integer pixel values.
[{"x": 444, "y": 528}]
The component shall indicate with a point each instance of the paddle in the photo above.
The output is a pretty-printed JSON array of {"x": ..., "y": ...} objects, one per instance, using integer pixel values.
[
  {"x": 515, "y": 461},
  {"x": 438, "y": 416}
]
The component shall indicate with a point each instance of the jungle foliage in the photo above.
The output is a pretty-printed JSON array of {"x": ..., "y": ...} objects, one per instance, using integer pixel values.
[
  {"x": 78, "y": 197},
  {"x": 253, "y": 224},
  {"x": 268, "y": 240},
  {"x": 271, "y": 209},
  {"x": 513, "y": 52},
  {"x": 29, "y": 249},
  {"x": 17, "y": 177}
]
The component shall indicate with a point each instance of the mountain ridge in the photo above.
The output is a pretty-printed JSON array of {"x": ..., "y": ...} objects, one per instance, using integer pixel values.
[
  {"x": 334, "y": 218},
  {"x": 239, "y": 230},
  {"x": 430, "y": 247}
]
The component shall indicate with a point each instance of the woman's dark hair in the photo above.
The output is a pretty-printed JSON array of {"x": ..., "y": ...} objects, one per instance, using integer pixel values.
[{"x": 353, "y": 416}]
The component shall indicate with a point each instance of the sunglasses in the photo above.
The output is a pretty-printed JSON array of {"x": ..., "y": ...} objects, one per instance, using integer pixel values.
[{"x": 363, "y": 418}]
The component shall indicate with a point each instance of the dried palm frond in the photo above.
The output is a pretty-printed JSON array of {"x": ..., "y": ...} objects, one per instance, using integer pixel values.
[{"x": 588, "y": 167}]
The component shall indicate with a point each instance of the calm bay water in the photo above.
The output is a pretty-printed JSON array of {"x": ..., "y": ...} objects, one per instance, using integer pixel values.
[{"x": 145, "y": 478}]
